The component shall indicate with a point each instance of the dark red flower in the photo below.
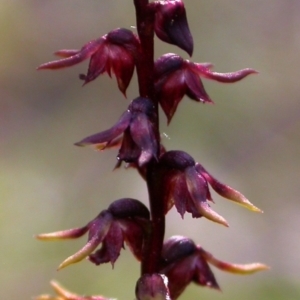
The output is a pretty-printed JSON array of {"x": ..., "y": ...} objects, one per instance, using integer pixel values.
[
  {"x": 139, "y": 143},
  {"x": 114, "y": 52},
  {"x": 171, "y": 24},
  {"x": 184, "y": 262},
  {"x": 176, "y": 77},
  {"x": 124, "y": 220},
  {"x": 187, "y": 187}
]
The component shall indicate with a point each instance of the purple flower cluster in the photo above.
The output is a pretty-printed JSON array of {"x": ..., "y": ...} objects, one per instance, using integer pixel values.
[{"x": 173, "y": 178}]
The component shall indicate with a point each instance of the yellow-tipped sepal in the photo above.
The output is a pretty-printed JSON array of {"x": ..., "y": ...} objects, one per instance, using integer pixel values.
[{"x": 242, "y": 269}]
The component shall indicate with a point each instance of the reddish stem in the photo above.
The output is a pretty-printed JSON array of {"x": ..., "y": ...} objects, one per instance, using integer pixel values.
[
  {"x": 145, "y": 63},
  {"x": 145, "y": 73}
]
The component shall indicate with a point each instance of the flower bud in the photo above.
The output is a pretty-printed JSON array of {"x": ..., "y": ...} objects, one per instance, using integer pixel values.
[
  {"x": 152, "y": 287},
  {"x": 171, "y": 24}
]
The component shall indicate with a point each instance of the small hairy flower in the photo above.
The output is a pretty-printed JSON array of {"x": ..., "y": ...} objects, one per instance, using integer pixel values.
[
  {"x": 176, "y": 77},
  {"x": 64, "y": 294},
  {"x": 139, "y": 143},
  {"x": 187, "y": 187},
  {"x": 114, "y": 52},
  {"x": 152, "y": 287},
  {"x": 124, "y": 220},
  {"x": 171, "y": 24},
  {"x": 184, "y": 262}
]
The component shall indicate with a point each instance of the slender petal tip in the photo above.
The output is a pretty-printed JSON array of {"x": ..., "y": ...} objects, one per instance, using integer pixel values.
[
  {"x": 80, "y": 255},
  {"x": 242, "y": 269},
  {"x": 64, "y": 234}
]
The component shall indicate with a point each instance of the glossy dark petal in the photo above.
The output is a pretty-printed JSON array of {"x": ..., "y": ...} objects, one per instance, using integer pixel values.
[
  {"x": 176, "y": 248},
  {"x": 108, "y": 135},
  {"x": 129, "y": 208},
  {"x": 178, "y": 160},
  {"x": 123, "y": 37}
]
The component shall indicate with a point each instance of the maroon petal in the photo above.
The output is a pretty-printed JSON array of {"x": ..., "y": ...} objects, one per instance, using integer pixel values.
[
  {"x": 86, "y": 51},
  {"x": 180, "y": 274},
  {"x": 171, "y": 25},
  {"x": 170, "y": 84},
  {"x": 197, "y": 186},
  {"x": 129, "y": 151},
  {"x": 203, "y": 274},
  {"x": 181, "y": 194},
  {"x": 195, "y": 88},
  {"x": 112, "y": 245},
  {"x": 172, "y": 92},
  {"x": 123, "y": 66},
  {"x": 100, "y": 256},
  {"x": 143, "y": 136},
  {"x": 134, "y": 236},
  {"x": 224, "y": 77},
  {"x": 106, "y": 136},
  {"x": 97, "y": 65}
]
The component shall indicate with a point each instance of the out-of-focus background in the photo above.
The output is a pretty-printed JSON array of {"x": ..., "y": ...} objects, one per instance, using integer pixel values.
[{"x": 250, "y": 139}]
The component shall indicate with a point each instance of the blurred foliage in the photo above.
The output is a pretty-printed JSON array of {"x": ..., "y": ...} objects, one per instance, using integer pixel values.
[{"x": 249, "y": 139}]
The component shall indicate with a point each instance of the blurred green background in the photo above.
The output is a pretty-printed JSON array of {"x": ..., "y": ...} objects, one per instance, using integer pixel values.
[{"x": 250, "y": 139}]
